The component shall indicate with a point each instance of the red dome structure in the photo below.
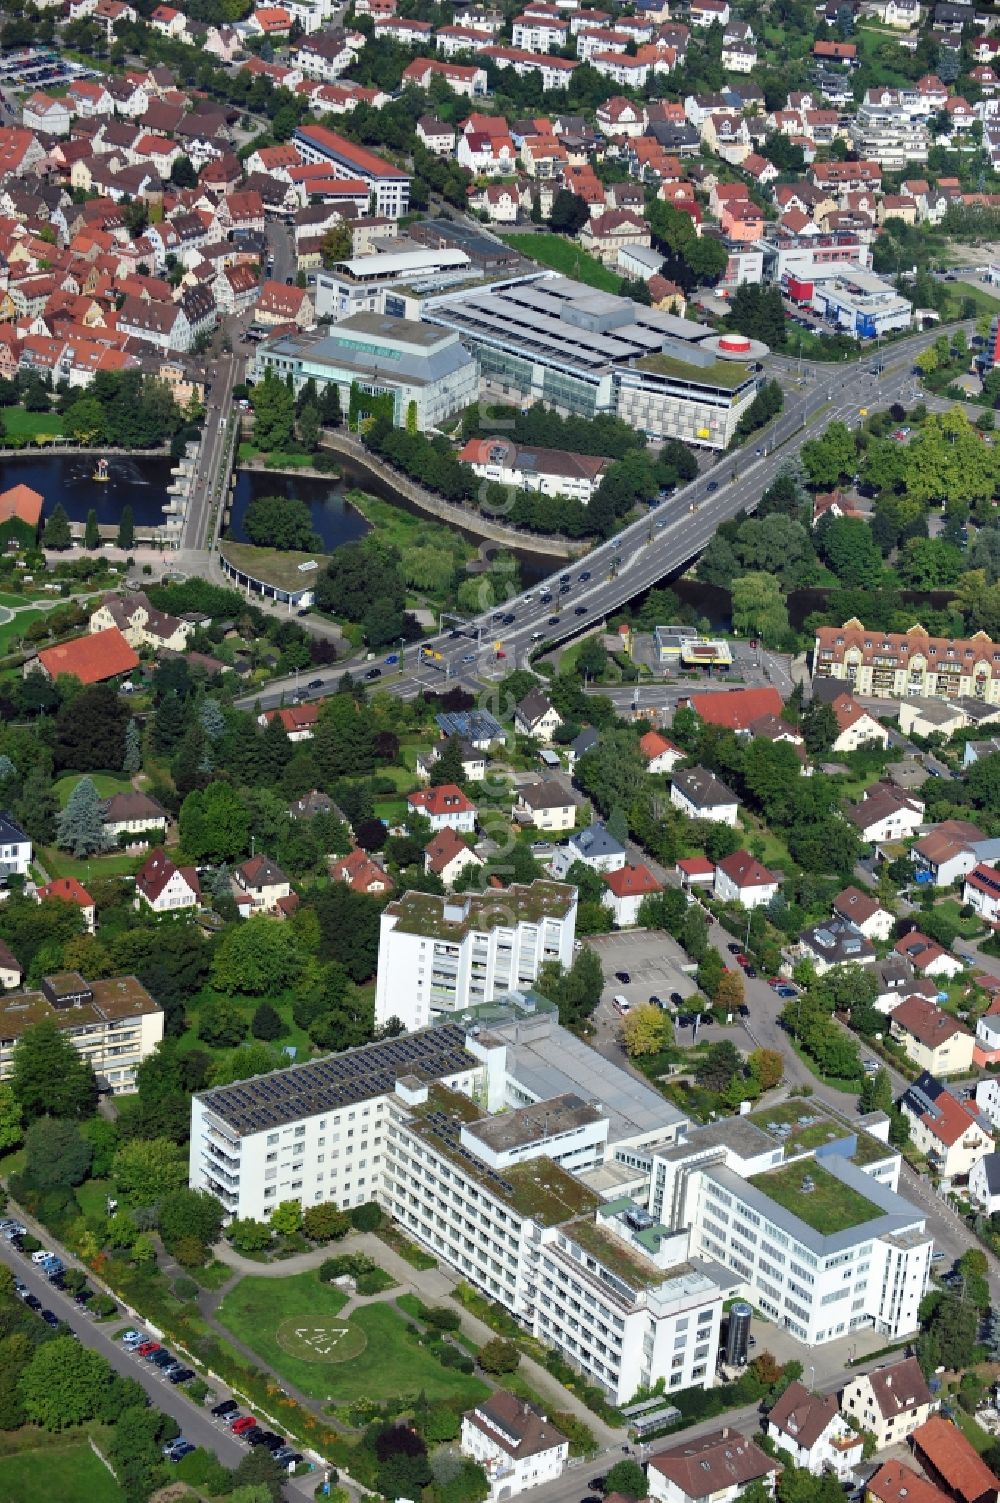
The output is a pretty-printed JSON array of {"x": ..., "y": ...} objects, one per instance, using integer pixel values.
[{"x": 735, "y": 344}]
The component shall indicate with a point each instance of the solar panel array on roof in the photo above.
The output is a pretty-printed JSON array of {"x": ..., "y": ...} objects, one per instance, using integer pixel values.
[
  {"x": 339, "y": 1080},
  {"x": 449, "y": 1130}
]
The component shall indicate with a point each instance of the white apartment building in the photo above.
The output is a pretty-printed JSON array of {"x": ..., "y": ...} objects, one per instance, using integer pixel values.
[
  {"x": 516, "y": 1446},
  {"x": 15, "y": 848},
  {"x": 444, "y": 954},
  {"x": 730, "y": 1184},
  {"x": 114, "y": 1024}
]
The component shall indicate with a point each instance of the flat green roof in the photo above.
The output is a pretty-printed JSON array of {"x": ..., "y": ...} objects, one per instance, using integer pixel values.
[
  {"x": 828, "y": 1206},
  {"x": 724, "y": 373},
  {"x": 808, "y": 1126},
  {"x": 425, "y": 913},
  {"x": 538, "y": 1187},
  {"x": 275, "y": 567},
  {"x": 616, "y": 1256}
]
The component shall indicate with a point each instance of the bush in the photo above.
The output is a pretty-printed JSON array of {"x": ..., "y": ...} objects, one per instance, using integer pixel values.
[
  {"x": 499, "y": 1356},
  {"x": 367, "y": 1218}
]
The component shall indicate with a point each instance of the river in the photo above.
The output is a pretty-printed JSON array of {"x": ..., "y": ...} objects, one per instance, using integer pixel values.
[{"x": 141, "y": 482}]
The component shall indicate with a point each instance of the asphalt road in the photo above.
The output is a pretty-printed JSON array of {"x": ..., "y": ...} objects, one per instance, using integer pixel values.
[
  {"x": 196, "y": 1424},
  {"x": 217, "y": 410},
  {"x": 660, "y": 543}
]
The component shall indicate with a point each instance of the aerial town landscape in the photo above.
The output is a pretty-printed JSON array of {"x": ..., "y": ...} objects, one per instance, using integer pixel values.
[{"x": 500, "y": 752}]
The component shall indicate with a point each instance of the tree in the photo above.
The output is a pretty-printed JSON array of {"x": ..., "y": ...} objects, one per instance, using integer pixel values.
[
  {"x": 91, "y": 532},
  {"x": 48, "y": 1076},
  {"x": 214, "y": 824},
  {"x": 644, "y": 1030},
  {"x": 56, "y": 533},
  {"x": 64, "y": 1384},
  {"x": 90, "y": 730},
  {"x": 126, "y": 528},
  {"x": 309, "y": 427},
  {"x": 569, "y": 212},
  {"x": 286, "y": 1218},
  {"x": 718, "y": 1066},
  {"x": 249, "y": 1236},
  {"x": 55, "y": 1154},
  {"x": 626, "y": 1477},
  {"x": 830, "y": 459},
  {"x": 819, "y": 728},
  {"x": 132, "y": 758},
  {"x": 147, "y": 1169},
  {"x": 852, "y": 553},
  {"x": 182, "y": 173},
  {"x": 758, "y": 608},
  {"x": 325, "y": 1223},
  {"x": 266, "y": 1024},
  {"x": 221, "y": 1023},
  {"x": 274, "y": 413},
  {"x": 768, "y": 1065},
  {"x": 259, "y": 958},
  {"x": 281, "y": 522},
  {"x": 11, "y": 1131},
  {"x": 80, "y": 828},
  {"x": 876, "y": 1092},
  {"x": 729, "y": 992},
  {"x": 191, "y": 1214},
  {"x": 499, "y": 1356}
]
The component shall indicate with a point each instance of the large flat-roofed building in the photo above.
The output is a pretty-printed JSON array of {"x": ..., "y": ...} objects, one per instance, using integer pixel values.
[
  {"x": 822, "y": 1243},
  {"x": 546, "y": 338},
  {"x": 861, "y": 303},
  {"x": 114, "y": 1024},
  {"x": 441, "y": 955},
  {"x": 910, "y": 664},
  {"x": 378, "y": 356},
  {"x": 389, "y": 186},
  {"x": 387, "y": 281},
  {"x": 582, "y": 1200}
]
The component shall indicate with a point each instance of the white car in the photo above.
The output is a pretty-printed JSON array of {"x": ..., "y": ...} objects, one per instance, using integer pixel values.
[{"x": 41, "y": 1256}]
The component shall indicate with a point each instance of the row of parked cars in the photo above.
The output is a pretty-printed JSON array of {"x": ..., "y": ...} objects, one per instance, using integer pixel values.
[
  {"x": 47, "y": 1263},
  {"x": 141, "y": 1345},
  {"x": 229, "y": 1414}
]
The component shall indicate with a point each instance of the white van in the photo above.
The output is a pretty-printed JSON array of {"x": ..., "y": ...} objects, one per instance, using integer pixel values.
[{"x": 622, "y": 1004}]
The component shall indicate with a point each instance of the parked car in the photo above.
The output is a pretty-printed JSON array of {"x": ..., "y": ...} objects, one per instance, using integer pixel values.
[
  {"x": 241, "y": 1426},
  {"x": 315, "y": 683},
  {"x": 179, "y": 1452},
  {"x": 180, "y": 1374},
  {"x": 254, "y": 1437},
  {"x": 623, "y": 977},
  {"x": 41, "y": 1255},
  {"x": 132, "y": 1338},
  {"x": 50, "y": 1317},
  {"x": 32, "y": 1301},
  {"x": 227, "y": 1406},
  {"x": 146, "y": 1348}
]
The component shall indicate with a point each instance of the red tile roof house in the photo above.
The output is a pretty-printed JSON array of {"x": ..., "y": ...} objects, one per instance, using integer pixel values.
[
  {"x": 92, "y": 659},
  {"x": 361, "y": 874},
  {"x": 446, "y": 805},
  {"x": 696, "y": 871},
  {"x": 717, "y": 1466},
  {"x": 447, "y": 856},
  {"x": 69, "y": 890},
  {"x": 164, "y": 887},
  {"x": 660, "y": 754},
  {"x": 299, "y": 720},
  {"x": 736, "y": 709},
  {"x": 951, "y": 1460},
  {"x": 895, "y": 1482},
  {"x": 626, "y": 889},
  {"x": 278, "y": 304},
  {"x": 926, "y": 957},
  {"x": 741, "y": 878}
]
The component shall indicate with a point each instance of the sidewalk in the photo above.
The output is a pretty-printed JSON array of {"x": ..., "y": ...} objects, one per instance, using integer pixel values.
[{"x": 431, "y": 1285}]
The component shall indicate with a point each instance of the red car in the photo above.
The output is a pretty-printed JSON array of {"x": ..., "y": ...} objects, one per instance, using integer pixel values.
[
  {"x": 243, "y": 1425},
  {"x": 147, "y": 1348}
]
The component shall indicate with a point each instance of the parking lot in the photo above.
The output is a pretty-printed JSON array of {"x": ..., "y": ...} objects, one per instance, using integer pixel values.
[{"x": 655, "y": 964}]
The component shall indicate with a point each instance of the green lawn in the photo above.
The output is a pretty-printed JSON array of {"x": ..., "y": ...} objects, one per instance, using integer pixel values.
[
  {"x": 106, "y": 784},
  {"x": 58, "y": 1471},
  {"x": 567, "y": 257},
  {"x": 21, "y": 424},
  {"x": 282, "y": 1004},
  {"x": 17, "y": 626},
  {"x": 829, "y": 1206},
  {"x": 968, "y": 928},
  {"x": 390, "y": 1365},
  {"x": 60, "y": 864}
]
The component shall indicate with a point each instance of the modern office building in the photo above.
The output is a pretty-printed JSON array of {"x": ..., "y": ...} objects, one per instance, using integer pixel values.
[
  {"x": 908, "y": 665},
  {"x": 546, "y": 338},
  {"x": 821, "y": 1241},
  {"x": 415, "y": 365},
  {"x": 389, "y": 186},
  {"x": 114, "y": 1024},
  {"x": 388, "y": 281},
  {"x": 861, "y": 303},
  {"x": 442, "y": 955}
]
